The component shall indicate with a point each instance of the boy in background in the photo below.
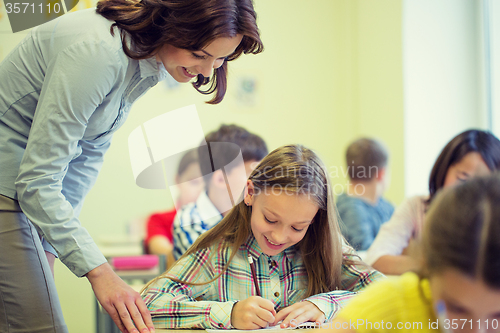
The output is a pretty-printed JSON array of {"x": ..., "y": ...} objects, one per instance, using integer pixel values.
[
  {"x": 159, "y": 236},
  {"x": 212, "y": 204},
  {"x": 363, "y": 209}
]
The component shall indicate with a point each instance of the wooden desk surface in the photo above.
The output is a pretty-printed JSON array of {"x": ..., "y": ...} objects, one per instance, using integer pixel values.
[
  {"x": 164, "y": 330},
  {"x": 160, "y": 330}
]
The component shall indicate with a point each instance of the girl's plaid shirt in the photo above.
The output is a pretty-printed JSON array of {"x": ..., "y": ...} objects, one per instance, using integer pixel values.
[{"x": 282, "y": 279}]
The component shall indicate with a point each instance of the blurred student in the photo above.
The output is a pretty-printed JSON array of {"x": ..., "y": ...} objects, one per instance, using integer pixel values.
[
  {"x": 159, "y": 237},
  {"x": 458, "y": 286},
  {"x": 213, "y": 203},
  {"x": 363, "y": 209},
  {"x": 469, "y": 154},
  {"x": 287, "y": 225}
]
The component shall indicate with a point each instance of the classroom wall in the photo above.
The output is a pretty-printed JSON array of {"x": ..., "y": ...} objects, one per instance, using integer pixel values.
[
  {"x": 331, "y": 72},
  {"x": 371, "y": 48},
  {"x": 443, "y": 81},
  {"x": 494, "y": 25}
]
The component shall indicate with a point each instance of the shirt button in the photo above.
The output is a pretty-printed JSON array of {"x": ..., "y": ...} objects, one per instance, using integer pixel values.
[
  {"x": 274, "y": 264},
  {"x": 221, "y": 325},
  {"x": 276, "y": 294}
]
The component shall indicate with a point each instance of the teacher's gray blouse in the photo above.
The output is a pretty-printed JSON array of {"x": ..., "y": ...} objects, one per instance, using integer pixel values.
[{"x": 64, "y": 90}]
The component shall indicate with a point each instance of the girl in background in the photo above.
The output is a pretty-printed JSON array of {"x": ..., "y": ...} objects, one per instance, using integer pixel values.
[
  {"x": 471, "y": 153},
  {"x": 459, "y": 284},
  {"x": 288, "y": 225}
]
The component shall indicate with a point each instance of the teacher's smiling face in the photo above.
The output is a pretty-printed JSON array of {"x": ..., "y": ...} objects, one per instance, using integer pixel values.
[{"x": 184, "y": 65}]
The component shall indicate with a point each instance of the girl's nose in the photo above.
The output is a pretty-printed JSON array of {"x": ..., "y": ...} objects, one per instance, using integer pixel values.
[{"x": 279, "y": 237}]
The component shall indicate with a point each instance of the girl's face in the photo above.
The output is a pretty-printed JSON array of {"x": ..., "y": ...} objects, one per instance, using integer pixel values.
[
  {"x": 471, "y": 165},
  {"x": 280, "y": 220},
  {"x": 184, "y": 65},
  {"x": 467, "y": 301}
]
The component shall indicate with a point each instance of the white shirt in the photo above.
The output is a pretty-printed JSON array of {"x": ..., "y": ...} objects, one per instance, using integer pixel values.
[
  {"x": 394, "y": 235},
  {"x": 193, "y": 220}
]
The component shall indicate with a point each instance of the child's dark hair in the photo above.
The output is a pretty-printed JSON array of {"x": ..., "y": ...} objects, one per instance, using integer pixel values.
[
  {"x": 362, "y": 156},
  {"x": 484, "y": 143},
  {"x": 253, "y": 148},
  {"x": 463, "y": 231},
  {"x": 186, "y": 24},
  {"x": 189, "y": 158}
]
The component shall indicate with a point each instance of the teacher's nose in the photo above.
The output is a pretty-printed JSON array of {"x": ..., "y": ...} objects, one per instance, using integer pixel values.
[{"x": 206, "y": 68}]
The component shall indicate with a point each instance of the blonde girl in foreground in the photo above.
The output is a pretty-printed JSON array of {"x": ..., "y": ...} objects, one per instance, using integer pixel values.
[
  {"x": 459, "y": 285},
  {"x": 287, "y": 223}
]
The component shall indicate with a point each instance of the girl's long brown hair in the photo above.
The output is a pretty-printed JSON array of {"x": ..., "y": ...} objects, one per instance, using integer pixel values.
[
  {"x": 185, "y": 24},
  {"x": 295, "y": 170}
]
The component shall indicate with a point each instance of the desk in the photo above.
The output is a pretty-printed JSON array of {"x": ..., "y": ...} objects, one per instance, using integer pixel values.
[
  {"x": 120, "y": 246},
  {"x": 164, "y": 330}
]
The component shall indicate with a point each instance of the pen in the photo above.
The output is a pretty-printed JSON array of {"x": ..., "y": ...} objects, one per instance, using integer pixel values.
[
  {"x": 254, "y": 275},
  {"x": 441, "y": 314}
]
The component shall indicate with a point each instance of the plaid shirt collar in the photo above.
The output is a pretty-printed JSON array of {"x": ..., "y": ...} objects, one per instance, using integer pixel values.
[{"x": 251, "y": 246}]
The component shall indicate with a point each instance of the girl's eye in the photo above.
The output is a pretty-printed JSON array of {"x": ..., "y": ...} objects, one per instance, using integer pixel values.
[
  {"x": 298, "y": 230},
  {"x": 454, "y": 308},
  {"x": 268, "y": 221},
  {"x": 197, "y": 56}
]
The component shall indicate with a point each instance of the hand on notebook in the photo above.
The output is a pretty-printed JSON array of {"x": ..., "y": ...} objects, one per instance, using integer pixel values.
[
  {"x": 253, "y": 313},
  {"x": 299, "y": 313}
]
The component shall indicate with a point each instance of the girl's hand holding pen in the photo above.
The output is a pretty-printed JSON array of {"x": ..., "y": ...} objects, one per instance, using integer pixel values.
[
  {"x": 253, "y": 313},
  {"x": 299, "y": 313}
]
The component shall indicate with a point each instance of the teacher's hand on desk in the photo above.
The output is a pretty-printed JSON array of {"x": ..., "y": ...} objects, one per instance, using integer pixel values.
[{"x": 124, "y": 305}]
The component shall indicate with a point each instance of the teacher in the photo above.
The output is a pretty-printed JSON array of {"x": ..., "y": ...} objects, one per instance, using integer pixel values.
[{"x": 64, "y": 90}]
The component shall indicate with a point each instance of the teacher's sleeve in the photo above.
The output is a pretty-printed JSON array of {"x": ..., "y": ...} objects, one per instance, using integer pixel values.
[{"x": 59, "y": 167}]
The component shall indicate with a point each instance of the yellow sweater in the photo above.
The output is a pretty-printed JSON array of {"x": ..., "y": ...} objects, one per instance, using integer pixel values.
[{"x": 396, "y": 303}]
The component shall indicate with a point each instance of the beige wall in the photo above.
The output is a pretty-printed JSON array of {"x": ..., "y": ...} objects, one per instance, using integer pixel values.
[
  {"x": 368, "y": 89},
  {"x": 331, "y": 71}
]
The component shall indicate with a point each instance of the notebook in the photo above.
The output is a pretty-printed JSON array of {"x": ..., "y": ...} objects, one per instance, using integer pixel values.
[{"x": 305, "y": 325}]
